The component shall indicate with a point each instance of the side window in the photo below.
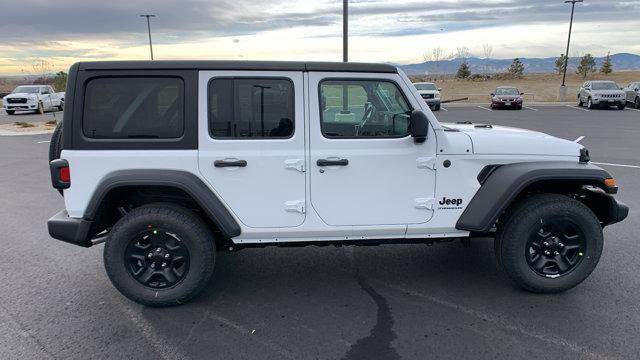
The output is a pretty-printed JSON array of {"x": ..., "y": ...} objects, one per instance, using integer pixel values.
[
  {"x": 251, "y": 108},
  {"x": 363, "y": 109},
  {"x": 134, "y": 108}
]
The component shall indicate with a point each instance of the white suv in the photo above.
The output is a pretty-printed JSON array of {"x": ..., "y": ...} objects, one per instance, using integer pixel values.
[{"x": 169, "y": 162}]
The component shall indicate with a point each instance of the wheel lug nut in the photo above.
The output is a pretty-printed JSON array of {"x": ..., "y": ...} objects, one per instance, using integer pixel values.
[
  {"x": 556, "y": 253},
  {"x": 166, "y": 256},
  {"x": 545, "y": 243},
  {"x": 561, "y": 244},
  {"x": 158, "y": 250},
  {"x": 153, "y": 265},
  {"x": 546, "y": 252},
  {"x": 150, "y": 255},
  {"x": 164, "y": 264}
]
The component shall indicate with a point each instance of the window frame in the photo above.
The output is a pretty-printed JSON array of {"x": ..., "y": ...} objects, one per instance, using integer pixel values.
[
  {"x": 243, "y": 77},
  {"x": 78, "y": 141},
  {"x": 395, "y": 83}
]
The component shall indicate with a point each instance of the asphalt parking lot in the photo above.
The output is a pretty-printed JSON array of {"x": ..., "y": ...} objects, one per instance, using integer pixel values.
[{"x": 387, "y": 302}]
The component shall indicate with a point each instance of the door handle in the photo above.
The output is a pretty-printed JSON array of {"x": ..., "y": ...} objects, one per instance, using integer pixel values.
[
  {"x": 327, "y": 162},
  {"x": 230, "y": 163}
]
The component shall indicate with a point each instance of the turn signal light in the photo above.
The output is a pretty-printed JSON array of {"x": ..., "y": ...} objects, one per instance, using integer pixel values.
[
  {"x": 65, "y": 174},
  {"x": 611, "y": 182}
]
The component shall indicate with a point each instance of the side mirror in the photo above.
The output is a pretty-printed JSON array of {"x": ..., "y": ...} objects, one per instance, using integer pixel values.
[
  {"x": 439, "y": 89},
  {"x": 521, "y": 93},
  {"x": 492, "y": 94},
  {"x": 419, "y": 126}
]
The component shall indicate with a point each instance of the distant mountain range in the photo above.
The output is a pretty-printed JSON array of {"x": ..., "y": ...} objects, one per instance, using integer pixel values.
[{"x": 621, "y": 61}]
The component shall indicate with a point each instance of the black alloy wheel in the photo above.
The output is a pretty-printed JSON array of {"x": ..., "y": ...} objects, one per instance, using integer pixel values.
[
  {"x": 157, "y": 258},
  {"x": 556, "y": 248}
]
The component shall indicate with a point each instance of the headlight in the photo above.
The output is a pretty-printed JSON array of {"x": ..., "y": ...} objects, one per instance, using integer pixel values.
[{"x": 437, "y": 96}]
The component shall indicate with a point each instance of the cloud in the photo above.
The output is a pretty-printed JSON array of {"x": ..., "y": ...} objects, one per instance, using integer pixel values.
[{"x": 98, "y": 29}]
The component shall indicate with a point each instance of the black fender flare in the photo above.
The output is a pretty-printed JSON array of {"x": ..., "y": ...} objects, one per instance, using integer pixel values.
[
  {"x": 502, "y": 184},
  {"x": 185, "y": 181}
]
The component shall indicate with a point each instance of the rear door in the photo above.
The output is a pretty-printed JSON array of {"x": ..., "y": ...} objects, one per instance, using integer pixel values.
[{"x": 251, "y": 144}]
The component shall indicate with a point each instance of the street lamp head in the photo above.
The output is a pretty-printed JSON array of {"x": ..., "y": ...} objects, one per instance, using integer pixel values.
[
  {"x": 147, "y": 15},
  {"x": 573, "y": 1}
]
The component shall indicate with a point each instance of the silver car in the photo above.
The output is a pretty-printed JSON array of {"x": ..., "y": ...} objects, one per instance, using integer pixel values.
[
  {"x": 601, "y": 94},
  {"x": 632, "y": 92}
]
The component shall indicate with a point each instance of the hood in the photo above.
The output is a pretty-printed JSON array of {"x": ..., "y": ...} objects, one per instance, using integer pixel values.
[
  {"x": 428, "y": 92},
  {"x": 607, "y": 92},
  {"x": 502, "y": 140},
  {"x": 20, "y": 95}
]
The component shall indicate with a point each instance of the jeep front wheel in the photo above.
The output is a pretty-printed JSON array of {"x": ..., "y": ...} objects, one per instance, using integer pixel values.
[
  {"x": 160, "y": 255},
  {"x": 549, "y": 243}
]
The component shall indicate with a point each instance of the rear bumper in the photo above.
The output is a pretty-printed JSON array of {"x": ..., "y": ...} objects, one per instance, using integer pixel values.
[{"x": 72, "y": 230}]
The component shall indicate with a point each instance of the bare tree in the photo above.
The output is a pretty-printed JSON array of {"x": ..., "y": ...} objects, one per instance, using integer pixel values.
[
  {"x": 462, "y": 52},
  {"x": 487, "y": 52},
  {"x": 435, "y": 56},
  {"x": 42, "y": 68}
]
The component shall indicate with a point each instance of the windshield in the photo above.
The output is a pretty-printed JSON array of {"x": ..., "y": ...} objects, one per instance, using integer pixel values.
[
  {"x": 26, "y": 90},
  {"x": 604, "y": 86},
  {"x": 507, "y": 91},
  {"x": 426, "y": 87}
]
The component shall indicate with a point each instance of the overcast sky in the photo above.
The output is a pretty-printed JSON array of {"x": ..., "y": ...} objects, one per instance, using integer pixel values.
[{"x": 65, "y": 31}]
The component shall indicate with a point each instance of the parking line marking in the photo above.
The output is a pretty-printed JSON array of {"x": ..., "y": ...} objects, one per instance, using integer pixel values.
[
  {"x": 578, "y": 139},
  {"x": 530, "y": 108},
  {"x": 482, "y": 107},
  {"x": 618, "y": 165},
  {"x": 632, "y": 109},
  {"x": 443, "y": 109},
  {"x": 44, "y": 142},
  {"x": 577, "y": 108}
]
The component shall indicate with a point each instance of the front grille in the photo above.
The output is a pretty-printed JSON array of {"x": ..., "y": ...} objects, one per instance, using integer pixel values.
[
  {"x": 611, "y": 95},
  {"x": 17, "y": 101},
  {"x": 427, "y": 96}
]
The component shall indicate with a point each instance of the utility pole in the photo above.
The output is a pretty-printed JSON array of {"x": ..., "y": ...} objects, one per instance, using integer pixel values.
[
  {"x": 149, "y": 29},
  {"x": 345, "y": 30},
  {"x": 566, "y": 61}
]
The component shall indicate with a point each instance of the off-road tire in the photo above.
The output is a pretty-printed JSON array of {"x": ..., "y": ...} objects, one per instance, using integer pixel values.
[
  {"x": 436, "y": 108},
  {"x": 10, "y": 112},
  {"x": 55, "y": 146},
  {"x": 519, "y": 107},
  {"x": 621, "y": 107},
  {"x": 580, "y": 103},
  {"x": 523, "y": 220},
  {"x": 61, "y": 106},
  {"x": 590, "y": 104},
  {"x": 193, "y": 233},
  {"x": 637, "y": 103}
]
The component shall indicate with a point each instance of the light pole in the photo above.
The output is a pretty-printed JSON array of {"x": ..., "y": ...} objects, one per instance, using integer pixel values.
[
  {"x": 345, "y": 30},
  {"x": 149, "y": 29},
  {"x": 566, "y": 61}
]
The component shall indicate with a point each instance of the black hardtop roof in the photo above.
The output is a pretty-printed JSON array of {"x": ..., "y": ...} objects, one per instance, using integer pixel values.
[{"x": 237, "y": 65}]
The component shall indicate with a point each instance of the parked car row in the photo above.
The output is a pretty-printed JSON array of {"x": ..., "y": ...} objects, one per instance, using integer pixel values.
[
  {"x": 37, "y": 98},
  {"x": 593, "y": 94}
]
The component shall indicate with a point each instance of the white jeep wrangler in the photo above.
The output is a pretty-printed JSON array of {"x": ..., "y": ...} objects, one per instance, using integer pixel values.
[{"x": 169, "y": 162}]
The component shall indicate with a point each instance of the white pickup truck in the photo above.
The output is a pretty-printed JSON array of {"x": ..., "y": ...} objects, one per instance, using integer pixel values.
[{"x": 38, "y": 98}]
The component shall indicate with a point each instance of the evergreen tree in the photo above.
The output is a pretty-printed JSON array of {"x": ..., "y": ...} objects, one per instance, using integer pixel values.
[
  {"x": 463, "y": 71},
  {"x": 607, "y": 66},
  {"x": 517, "y": 68},
  {"x": 560, "y": 63},
  {"x": 587, "y": 66}
]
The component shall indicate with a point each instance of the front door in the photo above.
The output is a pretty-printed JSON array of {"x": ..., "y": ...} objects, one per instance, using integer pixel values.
[
  {"x": 365, "y": 169},
  {"x": 251, "y": 144}
]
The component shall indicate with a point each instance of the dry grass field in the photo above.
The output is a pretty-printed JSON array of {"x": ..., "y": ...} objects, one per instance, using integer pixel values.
[{"x": 537, "y": 87}]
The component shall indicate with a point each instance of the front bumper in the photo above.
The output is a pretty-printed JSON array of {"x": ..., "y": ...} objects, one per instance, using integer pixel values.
[
  {"x": 608, "y": 102},
  {"x": 72, "y": 230},
  {"x": 503, "y": 104},
  {"x": 18, "y": 107},
  {"x": 432, "y": 102},
  {"x": 618, "y": 211}
]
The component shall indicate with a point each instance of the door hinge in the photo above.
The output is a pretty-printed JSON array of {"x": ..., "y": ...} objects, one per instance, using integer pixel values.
[
  {"x": 425, "y": 203},
  {"x": 296, "y": 164},
  {"x": 294, "y": 206},
  {"x": 426, "y": 163}
]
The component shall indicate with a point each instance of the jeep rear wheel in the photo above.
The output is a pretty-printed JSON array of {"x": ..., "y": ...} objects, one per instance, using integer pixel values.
[
  {"x": 549, "y": 243},
  {"x": 160, "y": 255}
]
